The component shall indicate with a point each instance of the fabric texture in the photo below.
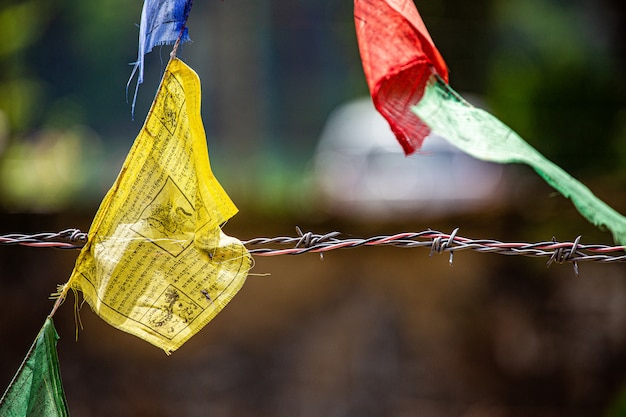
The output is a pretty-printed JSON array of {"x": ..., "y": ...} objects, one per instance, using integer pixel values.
[
  {"x": 162, "y": 23},
  {"x": 157, "y": 264},
  {"x": 36, "y": 389},
  {"x": 398, "y": 57},
  {"x": 480, "y": 134}
]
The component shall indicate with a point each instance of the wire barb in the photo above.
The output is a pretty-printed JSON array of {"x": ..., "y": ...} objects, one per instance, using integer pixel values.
[
  {"x": 438, "y": 242},
  {"x": 562, "y": 255}
]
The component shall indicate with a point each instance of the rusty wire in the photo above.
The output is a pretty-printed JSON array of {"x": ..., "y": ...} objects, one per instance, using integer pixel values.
[{"x": 438, "y": 242}]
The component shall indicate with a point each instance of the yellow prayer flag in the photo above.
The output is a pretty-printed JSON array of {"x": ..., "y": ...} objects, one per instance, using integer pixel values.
[{"x": 157, "y": 264}]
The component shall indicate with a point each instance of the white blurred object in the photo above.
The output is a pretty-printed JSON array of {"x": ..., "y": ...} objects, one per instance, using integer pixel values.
[{"x": 361, "y": 170}]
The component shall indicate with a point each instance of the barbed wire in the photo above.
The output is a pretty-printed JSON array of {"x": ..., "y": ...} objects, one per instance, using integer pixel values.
[
  {"x": 66, "y": 239},
  {"x": 438, "y": 242}
]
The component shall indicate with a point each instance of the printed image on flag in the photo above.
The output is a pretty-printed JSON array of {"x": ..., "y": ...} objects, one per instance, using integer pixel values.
[{"x": 157, "y": 264}]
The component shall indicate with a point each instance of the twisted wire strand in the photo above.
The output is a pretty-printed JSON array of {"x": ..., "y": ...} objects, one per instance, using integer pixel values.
[
  {"x": 65, "y": 239},
  {"x": 438, "y": 242}
]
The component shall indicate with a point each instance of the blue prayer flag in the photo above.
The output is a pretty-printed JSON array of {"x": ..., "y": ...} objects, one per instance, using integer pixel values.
[{"x": 162, "y": 23}]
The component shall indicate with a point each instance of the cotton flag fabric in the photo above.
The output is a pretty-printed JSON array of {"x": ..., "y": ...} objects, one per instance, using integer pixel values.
[
  {"x": 398, "y": 57},
  {"x": 440, "y": 109},
  {"x": 163, "y": 22},
  {"x": 157, "y": 264},
  {"x": 483, "y": 136},
  {"x": 36, "y": 389}
]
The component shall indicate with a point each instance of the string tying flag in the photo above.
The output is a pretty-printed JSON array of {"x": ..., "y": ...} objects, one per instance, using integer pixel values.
[
  {"x": 163, "y": 22},
  {"x": 156, "y": 263},
  {"x": 407, "y": 78},
  {"x": 36, "y": 390}
]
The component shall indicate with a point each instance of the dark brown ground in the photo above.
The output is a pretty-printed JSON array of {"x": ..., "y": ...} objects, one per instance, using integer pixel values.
[{"x": 365, "y": 332}]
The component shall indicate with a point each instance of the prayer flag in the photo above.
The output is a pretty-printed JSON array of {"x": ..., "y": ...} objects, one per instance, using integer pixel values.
[
  {"x": 163, "y": 22},
  {"x": 411, "y": 77},
  {"x": 36, "y": 389},
  {"x": 157, "y": 264},
  {"x": 398, "y": 57},
  {"x": 480, "y": 134}
]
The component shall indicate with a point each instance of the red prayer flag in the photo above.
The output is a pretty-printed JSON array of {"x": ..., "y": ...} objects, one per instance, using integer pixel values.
[{"x": 398, "y": 58}]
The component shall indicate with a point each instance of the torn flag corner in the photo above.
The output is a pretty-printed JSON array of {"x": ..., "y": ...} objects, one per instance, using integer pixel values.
[
  {"x": 398, "y": 57},
  {"x": 163, "y": 22}
]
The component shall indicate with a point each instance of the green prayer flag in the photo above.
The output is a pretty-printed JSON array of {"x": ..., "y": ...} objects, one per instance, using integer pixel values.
[
  {"x": 483, "y": 136},
  {"x": 36, "y": 389}
]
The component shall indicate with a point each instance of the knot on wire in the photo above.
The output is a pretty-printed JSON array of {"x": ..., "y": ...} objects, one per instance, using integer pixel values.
[
  {"x": 441, "y": 244},
  {"x": 562, "y": 255},
  {"x": 74, "y": 235},
  {"x": 309, "y": 239}
]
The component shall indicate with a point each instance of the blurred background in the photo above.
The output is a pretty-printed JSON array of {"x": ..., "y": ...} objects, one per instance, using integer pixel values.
[{"x": 294, "y": 140}]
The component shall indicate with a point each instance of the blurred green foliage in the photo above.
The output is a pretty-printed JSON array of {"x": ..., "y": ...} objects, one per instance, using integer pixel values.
[
  {"x": 554, "y": 77},
  {"x": 58, "y": 96},
  {"x": 22, "y": 24},
  {"x": 58, "y": 54},
  {"x": 273, "y": 71}
]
